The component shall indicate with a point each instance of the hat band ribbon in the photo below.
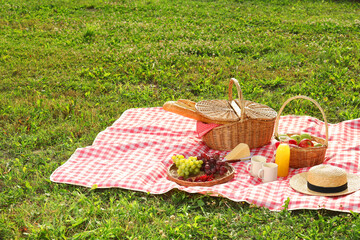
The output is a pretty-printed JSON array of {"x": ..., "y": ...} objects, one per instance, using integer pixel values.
[{"x": 327, "y": 189}]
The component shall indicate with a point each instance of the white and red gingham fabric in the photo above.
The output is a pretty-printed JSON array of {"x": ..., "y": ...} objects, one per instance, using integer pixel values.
[{"x": 135, "y": 152}]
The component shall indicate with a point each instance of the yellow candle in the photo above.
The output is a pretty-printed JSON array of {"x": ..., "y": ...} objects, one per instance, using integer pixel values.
[{"x": 282, "y": 159}]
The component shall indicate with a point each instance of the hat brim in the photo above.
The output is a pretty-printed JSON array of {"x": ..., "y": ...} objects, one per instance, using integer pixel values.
[{"x": 299, "y": 183}]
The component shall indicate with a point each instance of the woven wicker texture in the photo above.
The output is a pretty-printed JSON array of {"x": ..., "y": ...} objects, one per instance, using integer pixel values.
[
  {"x": 218, "y": 110},
  {"x": 173, "y": 176},
  {"x": 255, "y": 133},
  {"x": 259, "y": 111},
  {"x": 224, "y": 110},
  {"x": 255, "y": 126},
  {"x": 333, "y": 177},
  {"x": 306, "y": 157},
  {"x": 324, "y": 176}
]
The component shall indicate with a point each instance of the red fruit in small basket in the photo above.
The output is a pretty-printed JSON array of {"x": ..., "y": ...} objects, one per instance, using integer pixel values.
[
  {"x": 305, "y": 143},
  {"x": 292, "y": 141},
  {"x": 294, "y": 145},
  {"x": 223, "y": 170},
  {"x": 210, "y": 178}
]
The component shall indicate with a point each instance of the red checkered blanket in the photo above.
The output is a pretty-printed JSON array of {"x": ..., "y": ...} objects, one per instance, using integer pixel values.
[{"x": 135, "y": 152}]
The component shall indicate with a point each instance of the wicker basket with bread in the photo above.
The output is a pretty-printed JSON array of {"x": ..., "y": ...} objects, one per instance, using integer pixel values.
[{"x": 240, "y": 121}]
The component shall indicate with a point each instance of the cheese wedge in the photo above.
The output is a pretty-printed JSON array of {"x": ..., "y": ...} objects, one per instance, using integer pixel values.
[{"x": 242, "y": 150}]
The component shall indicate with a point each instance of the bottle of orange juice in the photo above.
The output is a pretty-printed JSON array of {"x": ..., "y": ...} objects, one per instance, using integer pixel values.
[{"x": 282, "y": 159}]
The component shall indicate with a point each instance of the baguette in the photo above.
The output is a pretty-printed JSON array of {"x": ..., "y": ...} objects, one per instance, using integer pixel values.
[
  {"x": 189, "y": 103},
  {"x": 179, "y": 107}
]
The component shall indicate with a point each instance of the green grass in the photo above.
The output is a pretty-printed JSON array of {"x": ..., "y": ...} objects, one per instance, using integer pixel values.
[{"x": 69, "y": 69}]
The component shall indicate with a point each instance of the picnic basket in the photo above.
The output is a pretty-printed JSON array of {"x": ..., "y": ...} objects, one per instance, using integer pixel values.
[
  {"x": 306, "y": 157},
  {"x": 249, "y": 122}
]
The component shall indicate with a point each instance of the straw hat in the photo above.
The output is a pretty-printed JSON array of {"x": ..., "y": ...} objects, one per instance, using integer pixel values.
[{"x": 325, "y": 180}]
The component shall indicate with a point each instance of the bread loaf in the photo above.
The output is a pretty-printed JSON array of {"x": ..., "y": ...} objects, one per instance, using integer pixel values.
[
  {"x": 181, "y": 109},
  {"x": 189, "y": 103},
  {"x": 186, "y": 108}
]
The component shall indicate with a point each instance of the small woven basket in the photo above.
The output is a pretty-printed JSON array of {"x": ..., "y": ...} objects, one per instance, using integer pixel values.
[
  {"x": 306, "y": 157},
  {"x": 255, "y": 126},
  {"x": 173, "y": 176}
]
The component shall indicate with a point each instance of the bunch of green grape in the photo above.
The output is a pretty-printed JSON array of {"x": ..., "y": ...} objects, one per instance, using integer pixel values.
[{"x": 187, "y": 166}]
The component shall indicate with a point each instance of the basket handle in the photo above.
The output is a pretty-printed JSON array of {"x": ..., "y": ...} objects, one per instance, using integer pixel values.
[
  {"x": 313, "y": 101},
  {"x": 240, "y": 95}
]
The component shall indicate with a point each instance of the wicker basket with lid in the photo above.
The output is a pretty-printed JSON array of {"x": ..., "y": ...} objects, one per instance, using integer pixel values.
[{"x": 249, "y": 122}]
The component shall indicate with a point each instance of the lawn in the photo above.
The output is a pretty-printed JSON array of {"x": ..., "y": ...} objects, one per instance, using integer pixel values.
[{"x": 69, "y": 69}]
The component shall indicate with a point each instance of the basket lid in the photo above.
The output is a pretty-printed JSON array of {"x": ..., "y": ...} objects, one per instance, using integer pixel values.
[
  {"x": 216, "y": 110},
  {"x": 259, "y": 111},
  {"x": 234, "y": 110}
]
